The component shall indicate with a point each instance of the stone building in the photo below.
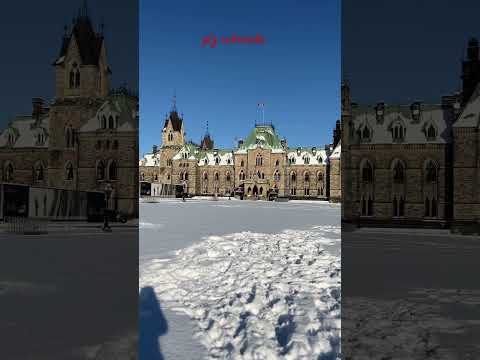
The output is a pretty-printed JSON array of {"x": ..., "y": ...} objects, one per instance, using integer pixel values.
[
  {"x": 260, "y": 164},
  {"x": 414, "y": 163},
  {"x": 86, "y": 136}
]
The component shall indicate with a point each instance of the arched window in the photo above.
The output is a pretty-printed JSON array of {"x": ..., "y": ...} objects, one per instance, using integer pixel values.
[
  {"x": 398, "y": 132},
  {"x": 142, "y": 175},
  {"x": 170, "y": 136},
  {"x": 319, "y": 159},
  {"x": 217, "y": 160},
  {"x": 77, "y": 78},
  {"x": 241, "y": 176},
  {"x": 110, "y": 122},
  {"x": 277, "y": 163},
  {"x": 101, "y": 171},
  {"x": 112, "y": 170},
  {"x": 320, "y": 176},
  {"x": 227, "y": 177},
  {"x": 72, "y": 79},
  {"x": 398, "y": 173},
  {"x": 39, "y": 176},
  {"x": 216, "y": 176},
  {"x": 242, "y": 163},
  {"x": 366, "y": 133},
  {"x": 367, "y": 173},
  {"x": 8, "y": 172},
  {"x": 259, "y": 160},
  {"x": 293, "y": 177},
  {"x": 205, "y": 176},
  {"x": 69, "y": 171},
  {"x": 104, "y": 122},
  {"x": 116, "y": 121},
  {"x": 276, "y": 176},
  {"x": 431, "y": 172},
  {"x": 306, "y": 177},
  {"x": 431, "y": 133},
  {"x": 306, "y": 159}
]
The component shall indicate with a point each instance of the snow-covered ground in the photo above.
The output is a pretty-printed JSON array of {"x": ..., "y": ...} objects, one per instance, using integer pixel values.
[{"x": 256, "y": 280}]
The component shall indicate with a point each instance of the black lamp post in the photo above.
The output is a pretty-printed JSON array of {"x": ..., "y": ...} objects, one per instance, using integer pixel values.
[{"x": 108, "y": 191}]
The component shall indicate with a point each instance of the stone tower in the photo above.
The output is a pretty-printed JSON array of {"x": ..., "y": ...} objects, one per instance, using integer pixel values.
[{"x": 81, "y": 85}]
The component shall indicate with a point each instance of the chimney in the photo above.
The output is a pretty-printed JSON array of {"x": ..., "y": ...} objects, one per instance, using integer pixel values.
[{"x": 37, "y": 108}]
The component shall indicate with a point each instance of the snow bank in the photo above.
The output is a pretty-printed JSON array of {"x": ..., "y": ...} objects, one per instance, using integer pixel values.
[{"x": 257, "y": 296}]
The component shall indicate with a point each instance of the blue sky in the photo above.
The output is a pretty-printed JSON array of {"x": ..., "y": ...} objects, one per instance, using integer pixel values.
[{"x": 296, "y": 73}]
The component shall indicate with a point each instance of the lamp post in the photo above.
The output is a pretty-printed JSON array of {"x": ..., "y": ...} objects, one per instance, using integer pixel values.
[{"x": 108, "y": 191}]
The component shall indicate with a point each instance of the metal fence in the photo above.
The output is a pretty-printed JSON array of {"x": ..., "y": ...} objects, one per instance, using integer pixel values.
[{"x": 26, "y": 226}]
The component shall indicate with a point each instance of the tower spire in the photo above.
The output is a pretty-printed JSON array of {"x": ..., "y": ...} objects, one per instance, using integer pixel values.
[{"x": 174, "y": 101}]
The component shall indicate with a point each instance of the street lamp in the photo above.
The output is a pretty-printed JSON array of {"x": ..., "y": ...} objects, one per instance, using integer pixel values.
[{"x": 106, "y": 212}]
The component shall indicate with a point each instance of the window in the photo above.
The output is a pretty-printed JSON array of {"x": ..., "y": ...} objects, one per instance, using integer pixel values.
[
  {"x": 307, "y": 177},
  {"x": 77, "y": 78},
  {"x": 277, "y": 163},
  {"x": 259, "y": 160},
  {"x": 104, "y": 122},
  {"x": 69, "y": 143},
  {"x": 217, "y": 160},
  {"x": 398, "y": 132},
  {"x": 112, "y": 170},
  {"x": 116, "y": 121},
  {"x": 242, "y": 163},
  {"x": 431, "y": 133},
  {"x": 367, "y": 173},
  {"x": 110, "y": 122},
  {"x": 115, "y": 144},
  {"x": 69, "y": 171},
  {"x": 366, "y": 206},
  {"x": 169, "y": 162},
  {"x": 319, "y": 159},
  {"x": 398, "y": 173},
  {"x": 39, "y": 176},
  {"x": 101, "y": 171},
  {"x": 276, "y": 176},
  {"x": 320, "y": 176},
  {"x": 8, "y": 172},
  {"x": 228, "y": 177},
  {"x": 216, "y": 176},
  {"x": 366, "y": 133},
  {"x": 170, "y": 136},
  {"x": 291, "y": 160},
  {"x": 431, "y": 172},
  {"x": 306, "y": 160},
  {"x": 241, "y": 176},
  {"x": 205, "y": 162}
]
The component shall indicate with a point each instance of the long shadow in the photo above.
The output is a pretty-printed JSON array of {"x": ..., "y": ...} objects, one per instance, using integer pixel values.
[{"x": 152, "y": 324}]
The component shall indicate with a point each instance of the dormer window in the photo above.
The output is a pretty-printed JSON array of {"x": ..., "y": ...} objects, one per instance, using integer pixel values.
[
  {"x": 291, "y": 160},
  {"x": 306, "y": 159},
  {"x": 314, "y": 151},
  {"x": 205, "y": 162},
  {"x": 319, "y": 159},
  {"x": 299, "y": 150},
  {"x": 431, "y": 133},
  {"x": 217, "y": 160},
  {"x": 170, "y": 136},
  {"x": 398, "y": 132}
]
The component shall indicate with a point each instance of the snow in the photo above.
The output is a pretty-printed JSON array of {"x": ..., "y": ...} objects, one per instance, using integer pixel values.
[{"x": 256, "y": 293}]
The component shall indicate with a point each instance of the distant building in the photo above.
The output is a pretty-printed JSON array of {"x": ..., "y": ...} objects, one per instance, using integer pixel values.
[
  {"x": 414, "y": 163},
  {"x": 260, "y": 164},
  {"x": 86, "y": 136}
]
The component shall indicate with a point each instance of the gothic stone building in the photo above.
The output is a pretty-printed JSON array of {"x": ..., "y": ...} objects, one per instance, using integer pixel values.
[
  {"x": 86, "y": 136},
  {"x": 415, "y": 163},
  {"x": 259, "y": 164}
]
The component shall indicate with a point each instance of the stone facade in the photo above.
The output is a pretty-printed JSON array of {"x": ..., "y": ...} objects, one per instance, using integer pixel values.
[
  {"x": 259, "y": 165},
  {"x": 87, "y": 135},
  {"x": 416, "y": 163}
]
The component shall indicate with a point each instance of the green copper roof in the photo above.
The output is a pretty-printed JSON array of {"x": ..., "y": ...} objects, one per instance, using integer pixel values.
[{"x": 263, "y": 135}]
